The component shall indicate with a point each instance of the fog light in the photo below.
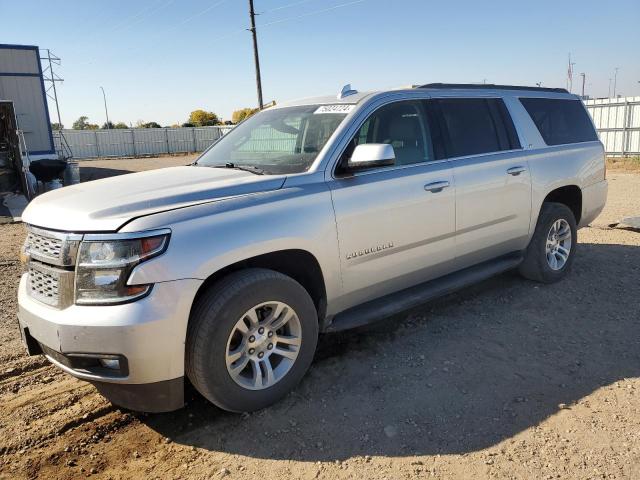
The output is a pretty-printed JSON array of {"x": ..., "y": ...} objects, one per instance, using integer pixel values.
[{"x": 109, "y": 363}]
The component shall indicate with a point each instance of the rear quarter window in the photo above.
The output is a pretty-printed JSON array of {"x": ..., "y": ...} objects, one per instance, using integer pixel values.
[{"x": 560, "y": 122}]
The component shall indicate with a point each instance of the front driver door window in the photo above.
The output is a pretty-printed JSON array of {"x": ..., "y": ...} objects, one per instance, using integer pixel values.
[{"x": 402, "y": 125}]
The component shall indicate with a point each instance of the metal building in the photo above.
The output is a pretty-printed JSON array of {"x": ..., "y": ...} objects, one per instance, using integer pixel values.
[{"x": 22, "y": 83}]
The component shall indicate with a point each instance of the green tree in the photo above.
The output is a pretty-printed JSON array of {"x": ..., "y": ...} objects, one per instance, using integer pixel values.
[
  {"x": 187, "y": 124},
  {"x": 202, "y": 118},
  {"x": 81, "y": 123},
  {"x": 151, "y": 125},
  {"x": 57, "y": 126},
  {"x": 120, "y": 125},
  {"x": 107, "y": 126},
  {"x": 243, "y": 113}
]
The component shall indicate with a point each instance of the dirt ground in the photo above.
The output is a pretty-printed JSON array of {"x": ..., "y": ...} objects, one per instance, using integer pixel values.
[{"x": 508, "y": 379}]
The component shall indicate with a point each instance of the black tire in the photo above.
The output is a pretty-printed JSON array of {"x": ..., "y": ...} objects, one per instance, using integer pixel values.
[
  {"x": 214, "y": 316},
  {"x": 535, "y": 265}
]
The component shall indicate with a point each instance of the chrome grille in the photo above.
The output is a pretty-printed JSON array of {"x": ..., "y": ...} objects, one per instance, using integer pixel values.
[
  {"x": 46, "y": 247},
  {"x": 51, "y": 256},
  {"x": 57, "y": 248},
  {"x": 43, "y": 286},
  {"x": 50, "y": 285}
]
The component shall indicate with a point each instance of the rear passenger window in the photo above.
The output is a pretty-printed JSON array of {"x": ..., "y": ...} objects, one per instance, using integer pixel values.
[
  {"x": 560, "y": 121},
  {"x": 477, "y": 125}
]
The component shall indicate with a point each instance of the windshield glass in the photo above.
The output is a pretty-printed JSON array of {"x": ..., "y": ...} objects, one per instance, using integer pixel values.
[{"x": 277, "y": 141}]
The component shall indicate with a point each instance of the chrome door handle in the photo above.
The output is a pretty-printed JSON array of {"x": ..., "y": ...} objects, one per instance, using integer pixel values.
[
  {"x": 515, "y": 171},
  {"x": 436, "y": 187}
]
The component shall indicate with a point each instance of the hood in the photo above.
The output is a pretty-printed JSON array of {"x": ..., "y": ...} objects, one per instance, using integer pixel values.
[{"x": 105, "y": 205}]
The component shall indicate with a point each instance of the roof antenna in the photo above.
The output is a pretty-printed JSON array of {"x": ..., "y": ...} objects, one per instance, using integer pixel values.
[{"x": 346, "y": 91}]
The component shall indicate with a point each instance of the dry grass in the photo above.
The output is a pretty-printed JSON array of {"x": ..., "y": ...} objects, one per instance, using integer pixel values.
[{"x": 629, "y": 164}]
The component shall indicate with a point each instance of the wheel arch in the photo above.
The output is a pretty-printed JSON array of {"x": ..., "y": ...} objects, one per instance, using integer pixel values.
[
  {"x": 569, "y": 195},
  {"x": 299, "y": 264}
]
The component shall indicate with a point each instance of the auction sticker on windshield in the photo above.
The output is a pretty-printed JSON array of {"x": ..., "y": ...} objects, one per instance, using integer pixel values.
[{"x": 334, "y": 109}]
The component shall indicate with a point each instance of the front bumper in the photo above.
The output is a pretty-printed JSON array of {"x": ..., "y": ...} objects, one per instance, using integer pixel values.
[{"x": 147, "y": 335}]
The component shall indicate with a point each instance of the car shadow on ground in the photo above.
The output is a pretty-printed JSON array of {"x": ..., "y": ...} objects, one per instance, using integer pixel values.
[{"x": 454, "y": 376}]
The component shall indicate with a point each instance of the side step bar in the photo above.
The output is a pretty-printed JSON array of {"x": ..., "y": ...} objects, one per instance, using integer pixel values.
[{"x": 403, "y": 300}]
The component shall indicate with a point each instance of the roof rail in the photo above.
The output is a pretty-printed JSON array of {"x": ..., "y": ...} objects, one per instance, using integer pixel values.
[{"x": 490, "y": 86}]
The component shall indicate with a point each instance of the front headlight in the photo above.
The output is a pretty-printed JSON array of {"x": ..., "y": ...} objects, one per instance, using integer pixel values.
[{"x": 105, "y": 263}]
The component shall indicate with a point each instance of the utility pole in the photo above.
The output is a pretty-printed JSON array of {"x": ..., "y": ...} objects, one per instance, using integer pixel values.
[
  {"x": 583, "y": 80},
  {"x": 615, "y": 81},
  {"x": 104, "y": 97},
  {"x": 609, "y": 91},
  {"x": 252, "y": 16}
]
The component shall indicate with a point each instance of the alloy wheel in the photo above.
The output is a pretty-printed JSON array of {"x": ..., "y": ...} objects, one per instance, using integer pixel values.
[
  {"x": 263, "y": 345},
  {"x": 558, "y": 247}
]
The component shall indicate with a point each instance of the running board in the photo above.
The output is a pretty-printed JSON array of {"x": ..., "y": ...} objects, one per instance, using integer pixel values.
[{"x": 403, "y": 300}]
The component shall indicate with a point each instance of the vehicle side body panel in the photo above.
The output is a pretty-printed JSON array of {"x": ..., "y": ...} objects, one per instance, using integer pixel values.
[{"x": 406, "y": 239}]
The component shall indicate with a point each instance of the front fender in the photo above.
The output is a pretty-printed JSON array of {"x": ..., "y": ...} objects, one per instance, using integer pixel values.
[{"x": 207, "y": 238}]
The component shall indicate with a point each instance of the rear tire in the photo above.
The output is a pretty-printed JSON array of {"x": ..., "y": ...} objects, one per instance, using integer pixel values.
[
  {"x": 223, "y": 336},
  {"x": 550, "y": 253}
]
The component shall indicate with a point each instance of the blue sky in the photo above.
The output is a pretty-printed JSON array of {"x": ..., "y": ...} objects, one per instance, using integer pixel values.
[{"x": 160, "y": 59}]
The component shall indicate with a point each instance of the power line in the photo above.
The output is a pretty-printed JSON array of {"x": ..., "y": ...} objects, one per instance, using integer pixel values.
[
  {"x": 195, "y": 15},
  {"x": 167, "y": 30},
  {"x": 289, "y": 5},
  {"x": 138, "y": 17},
  {"x": 310, "y": 14},
  {"x": 124, "y": 25}
]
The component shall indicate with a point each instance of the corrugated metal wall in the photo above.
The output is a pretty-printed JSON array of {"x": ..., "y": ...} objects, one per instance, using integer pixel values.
[
  {"x": 136, "y": 142},
  {"x": 21, "y": 83},
  {"x": 618, "y": 123}
]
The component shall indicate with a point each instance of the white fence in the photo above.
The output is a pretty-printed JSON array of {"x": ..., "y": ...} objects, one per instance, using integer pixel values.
[
  {"x": 137, "y": 142},
  {"x": 618, "y": 123}
]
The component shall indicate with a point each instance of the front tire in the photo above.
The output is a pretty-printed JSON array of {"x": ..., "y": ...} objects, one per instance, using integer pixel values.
[
  {"x": 251, "y": 338},
  {"x": 550, "y": 253}
]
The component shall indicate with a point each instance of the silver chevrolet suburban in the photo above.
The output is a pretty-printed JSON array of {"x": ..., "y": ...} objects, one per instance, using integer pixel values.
[{"x": 313, "y": 216}]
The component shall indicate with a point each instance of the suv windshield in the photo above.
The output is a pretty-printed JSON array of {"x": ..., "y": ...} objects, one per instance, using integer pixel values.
[{"x": 275, "y": 141}]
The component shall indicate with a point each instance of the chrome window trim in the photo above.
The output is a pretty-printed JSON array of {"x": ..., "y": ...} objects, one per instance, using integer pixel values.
[
  {"x": 477, "y": 155},
  {"x": 393, "y": 168},
  {"x": 546, "y": 145}
]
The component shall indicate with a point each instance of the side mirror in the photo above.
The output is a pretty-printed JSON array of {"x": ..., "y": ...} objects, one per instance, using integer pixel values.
[{"x": 371, "y": 155}]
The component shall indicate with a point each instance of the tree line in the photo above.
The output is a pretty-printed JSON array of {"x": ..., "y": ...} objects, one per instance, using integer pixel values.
[{"x": 197, "y": 118}]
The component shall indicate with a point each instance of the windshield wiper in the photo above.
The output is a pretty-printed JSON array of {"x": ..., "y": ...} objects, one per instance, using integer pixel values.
[{"x": 246, "y": 168}]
